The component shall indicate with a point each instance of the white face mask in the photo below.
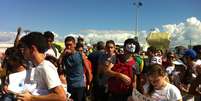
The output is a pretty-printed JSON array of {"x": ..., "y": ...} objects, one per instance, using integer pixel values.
[{"x": 130, "y": 47}]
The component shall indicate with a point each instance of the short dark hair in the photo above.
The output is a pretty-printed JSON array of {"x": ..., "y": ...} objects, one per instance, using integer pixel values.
[
  {"x": 17, "y": 56},
  {"x": 100, "y": 45},
  {"x": 151, "y": 48},
  {"x": 197, "y": 48},
  {"x": 79, "y": 45},
  {"x": 49, "y": 34},
  {"x": 80, "y": 39},
  {"x": 110, "y": 42},
  {"x": 70, "y": 38},
  {"x": 37, "y": 39}
]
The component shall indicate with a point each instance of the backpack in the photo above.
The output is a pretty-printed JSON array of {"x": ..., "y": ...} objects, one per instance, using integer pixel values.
[
  {"x": 55, "y": 50},
  {"x": 116, "y": 85}
]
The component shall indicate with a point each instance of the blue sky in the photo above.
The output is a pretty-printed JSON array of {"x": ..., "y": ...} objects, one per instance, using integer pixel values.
[{"x": 69, "y": 16}]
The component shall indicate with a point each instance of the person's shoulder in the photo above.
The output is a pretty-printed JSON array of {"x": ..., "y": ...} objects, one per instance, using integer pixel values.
[
  {"x": 172, "y": 87},
  {"x": 75, "y": 54},
  {"x": 79, "y": 54},
  {"x": 174, "y": 92},
  {"x": 99, "y": 53},
  {"x": 47, "y": 64}
]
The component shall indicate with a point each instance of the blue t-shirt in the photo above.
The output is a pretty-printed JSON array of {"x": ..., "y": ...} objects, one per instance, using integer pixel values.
[{"x": 74, "y": 70}]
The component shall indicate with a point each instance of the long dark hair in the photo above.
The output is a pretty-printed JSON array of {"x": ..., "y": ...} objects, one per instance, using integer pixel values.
[{"x": 14, "y": 54}]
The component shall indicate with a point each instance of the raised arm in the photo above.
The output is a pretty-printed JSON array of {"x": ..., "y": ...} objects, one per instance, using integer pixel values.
[
  {"x": 56, "y": 94},
  {"x": 88, "y": 70},
  {"x": 17, "y": 38}
]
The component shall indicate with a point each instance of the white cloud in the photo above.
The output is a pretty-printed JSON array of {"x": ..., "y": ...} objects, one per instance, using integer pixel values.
[
  {"x": 119, "y": 36},
  {"x": 7, "y": 37},
  {"x": 181, "y": 33},
  {"x": 185, "y": 32}
]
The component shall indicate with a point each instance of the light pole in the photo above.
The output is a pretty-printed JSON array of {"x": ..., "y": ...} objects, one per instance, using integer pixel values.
[{"x": 137, "y": 3}]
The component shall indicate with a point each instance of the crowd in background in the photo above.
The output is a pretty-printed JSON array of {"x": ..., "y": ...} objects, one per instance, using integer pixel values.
[{"x": 102, "y": 72}]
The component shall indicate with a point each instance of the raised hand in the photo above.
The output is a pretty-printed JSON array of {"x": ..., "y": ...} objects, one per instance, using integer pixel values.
[
  {"x": 17, "y": 38},
  {"x": 19, "y": 29}
]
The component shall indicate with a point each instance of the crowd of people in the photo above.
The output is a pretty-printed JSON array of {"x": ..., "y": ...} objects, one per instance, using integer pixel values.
[{"x": 35, "y": 69}]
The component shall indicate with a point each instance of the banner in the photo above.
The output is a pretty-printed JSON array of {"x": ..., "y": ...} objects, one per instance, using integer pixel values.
[
  {"x": 159, "y": 40},
  {"x": 137, "y": 96}
]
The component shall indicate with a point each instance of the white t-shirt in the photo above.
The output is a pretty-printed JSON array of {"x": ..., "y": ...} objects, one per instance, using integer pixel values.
[
  {"x": 46, "y": 77},
  {"x": 168, "y": 93},
  {"x": 51, "y": 52},
  {"x": 22, "y": 81}
]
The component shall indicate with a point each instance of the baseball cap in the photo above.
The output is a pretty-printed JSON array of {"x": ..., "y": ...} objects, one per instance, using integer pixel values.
[{"x": 190, "y": 53}]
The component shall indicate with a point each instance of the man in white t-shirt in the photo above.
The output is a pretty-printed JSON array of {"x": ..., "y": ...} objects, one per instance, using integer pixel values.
[
  {"x": 49, "y": 87},
  {"x": 52, "y": 50}
]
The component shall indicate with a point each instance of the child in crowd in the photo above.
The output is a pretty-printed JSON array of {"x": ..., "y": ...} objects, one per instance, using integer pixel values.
[{"x": 159, "y": 89}]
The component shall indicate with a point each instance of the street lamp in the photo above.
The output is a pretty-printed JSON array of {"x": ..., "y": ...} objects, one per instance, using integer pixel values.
[{"x": 137, "y": 3}]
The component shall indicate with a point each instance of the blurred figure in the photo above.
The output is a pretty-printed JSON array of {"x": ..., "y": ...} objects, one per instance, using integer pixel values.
[
  {"x": 80, "y": 40},
  {"x": 94, "y": 57},
  {"x": 159, "y": 89},
  {"x": 122, "y": 74},
  {"x": 109, "y": 56},
  {"x": 88, "y": 85},
  {"x": 195, "y": 87},
  {"x": 52, "y": 50},
  {"x": 19, "y": 76},
  {"x": 189, "y": 59},
  {"x": 197, "y": 49},
  {"x": 48, "y": 84},
  {"x": 179, "y": 50},
  {"x": 147, "y": 61},
  {"x": 171, "y": 58},
  {"x": 74, "y": 63}
]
